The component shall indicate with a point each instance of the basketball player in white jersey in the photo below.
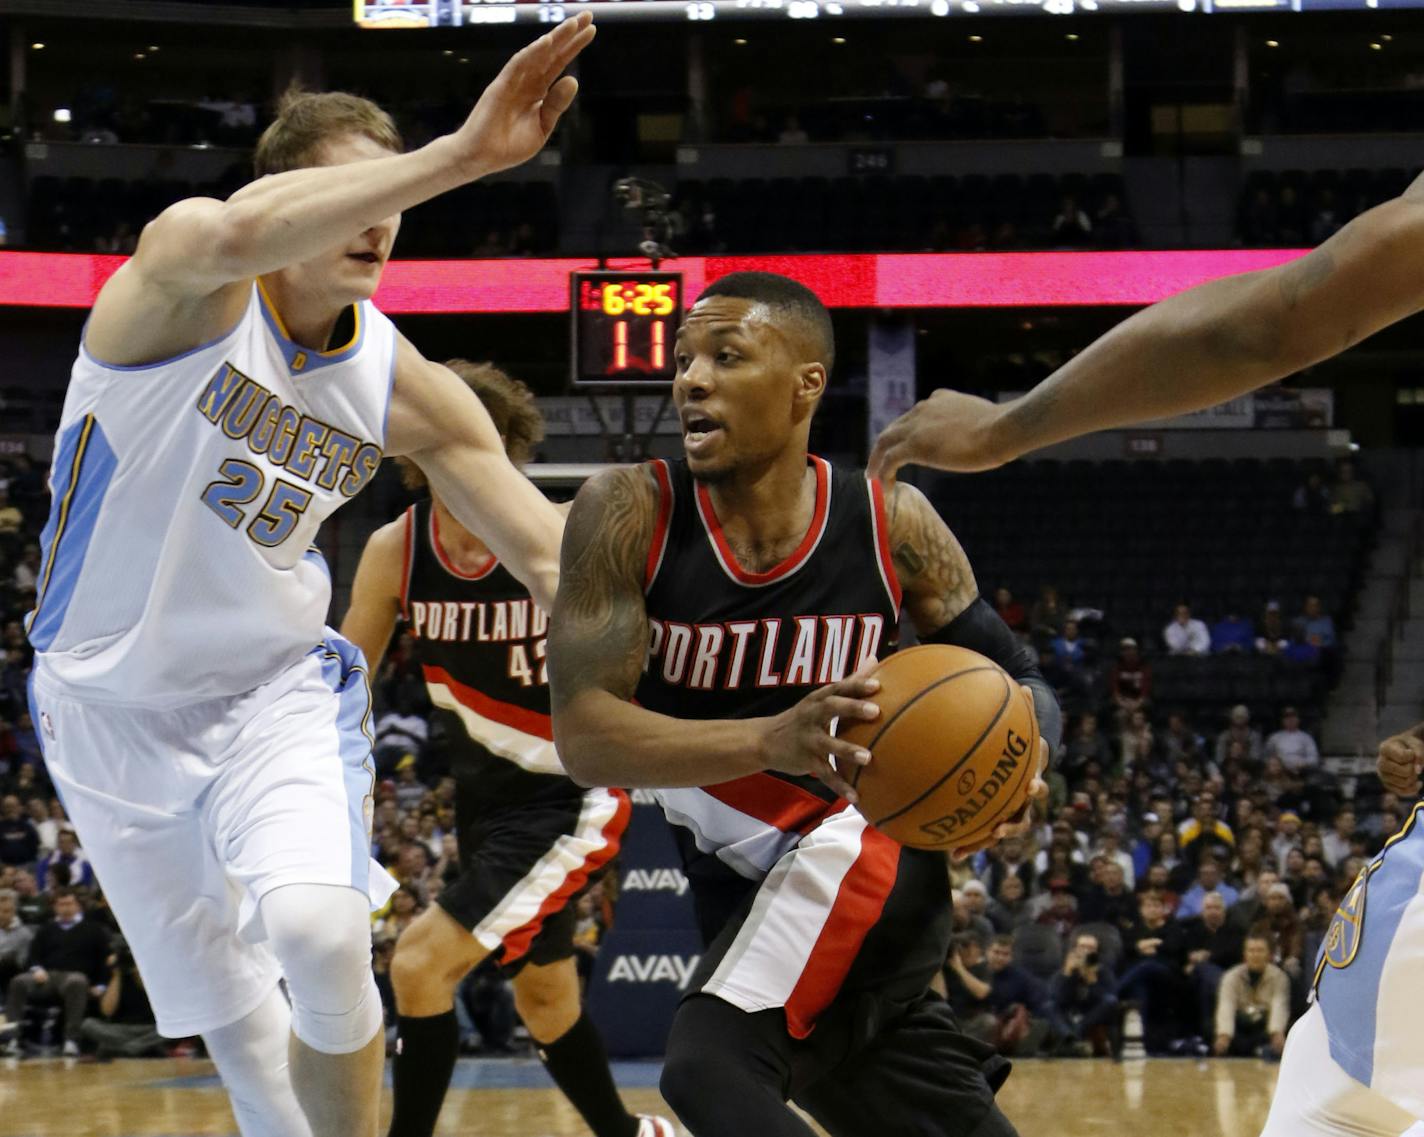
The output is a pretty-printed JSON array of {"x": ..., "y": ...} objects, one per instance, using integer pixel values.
[
  {"x": 208, "y": 735},
  {"x": 1354, "y": 1064}
]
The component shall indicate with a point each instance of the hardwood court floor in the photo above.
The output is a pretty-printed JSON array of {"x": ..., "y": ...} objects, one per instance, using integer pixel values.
[{"x": 513, "y": 1098}]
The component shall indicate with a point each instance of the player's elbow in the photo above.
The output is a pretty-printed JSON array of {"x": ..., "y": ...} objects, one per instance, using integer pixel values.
[
  {"x": 577, "y": 750},
  {"x": 237, "y": 235},
  {"x": 544, "y": 583},
  {"x": 578, "y": 764},
  {"x": 195, "y": 242}
]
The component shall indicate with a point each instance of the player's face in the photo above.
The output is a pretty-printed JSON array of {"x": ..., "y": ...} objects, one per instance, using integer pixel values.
[
  {"x": 743, "y": 394},
  {"x": 351, "y": 271}
]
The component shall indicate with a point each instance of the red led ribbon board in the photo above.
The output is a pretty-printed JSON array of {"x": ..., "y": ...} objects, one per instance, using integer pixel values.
[{"x": 893, "y": 280}]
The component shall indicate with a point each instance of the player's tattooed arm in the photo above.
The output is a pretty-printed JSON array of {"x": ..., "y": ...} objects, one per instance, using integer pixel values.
[
  {"x": 934, "y": 572},
  {"x": 599, "y": 634},
  {"x": 598, "y": 644}
]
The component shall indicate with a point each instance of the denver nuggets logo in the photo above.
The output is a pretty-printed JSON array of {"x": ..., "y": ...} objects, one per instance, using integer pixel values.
[{"x": 1342, "y": 940}]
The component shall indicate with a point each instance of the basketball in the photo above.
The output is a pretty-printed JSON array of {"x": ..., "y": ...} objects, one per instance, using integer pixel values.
[{"x": 953, "y": 752}]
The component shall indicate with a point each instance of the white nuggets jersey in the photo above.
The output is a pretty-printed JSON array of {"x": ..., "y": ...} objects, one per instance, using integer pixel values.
[{"x": 177, "y": 563}]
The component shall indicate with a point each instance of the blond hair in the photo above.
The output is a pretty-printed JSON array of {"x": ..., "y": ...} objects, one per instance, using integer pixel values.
[
  {"x": 511, "y": 407},
  {"x": 307, "y": 119}
]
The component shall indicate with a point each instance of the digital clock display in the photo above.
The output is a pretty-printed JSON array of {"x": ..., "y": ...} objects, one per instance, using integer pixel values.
[{"x": 624, "y": 324}]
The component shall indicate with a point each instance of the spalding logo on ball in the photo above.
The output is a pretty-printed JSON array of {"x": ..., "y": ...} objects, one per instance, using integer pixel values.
[{"x": 953, "y": 752}]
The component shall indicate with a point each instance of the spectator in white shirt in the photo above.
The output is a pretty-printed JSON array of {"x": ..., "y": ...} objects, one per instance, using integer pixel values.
[
  {"x": 1337, "y": 842},
  {"x": 1186, "y": 636},
  {"x": 1296, "y": 749},
  {"x": 45, "y": 825}
]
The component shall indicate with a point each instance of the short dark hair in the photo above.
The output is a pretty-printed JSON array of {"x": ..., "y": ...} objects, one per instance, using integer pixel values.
[
  {"x": 62, "y": 891},
  {"x": 1003, "y": 939},
  {"x": 790, "y": 298}
]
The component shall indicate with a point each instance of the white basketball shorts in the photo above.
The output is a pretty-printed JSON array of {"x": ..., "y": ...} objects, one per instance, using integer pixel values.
[
  {"x": 1354, "y": 1065},
  {"x": 191, "y": 815}
]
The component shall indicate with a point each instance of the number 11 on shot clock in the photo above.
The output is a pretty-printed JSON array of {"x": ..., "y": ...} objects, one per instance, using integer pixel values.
[{"x": 623, "y": 324}]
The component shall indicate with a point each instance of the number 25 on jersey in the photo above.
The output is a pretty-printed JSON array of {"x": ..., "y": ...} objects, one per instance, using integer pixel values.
[{"x": 241, "y": 484}]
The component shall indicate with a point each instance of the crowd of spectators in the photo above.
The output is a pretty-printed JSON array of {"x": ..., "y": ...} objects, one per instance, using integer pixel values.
[
  {"x": 1295, "y": 208},
  {"x": 1185, "y": 871}
]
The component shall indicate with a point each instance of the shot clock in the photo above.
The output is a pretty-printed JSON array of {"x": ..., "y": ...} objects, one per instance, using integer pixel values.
[{"x": 624, "y": 324}]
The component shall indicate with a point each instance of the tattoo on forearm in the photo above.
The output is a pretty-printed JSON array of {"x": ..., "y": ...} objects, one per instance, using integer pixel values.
[
  {"x": 935, "y": 573},
  {"x": 598, "y": 636}
]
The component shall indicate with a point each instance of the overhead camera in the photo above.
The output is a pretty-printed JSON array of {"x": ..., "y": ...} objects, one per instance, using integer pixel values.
[{"x": 654, "y": 203}]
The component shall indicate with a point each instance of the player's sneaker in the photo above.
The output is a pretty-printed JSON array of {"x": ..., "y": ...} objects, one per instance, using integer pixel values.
[
  {"x": 70, "y": 1049},
  {"x": 649, "y": 1126}
]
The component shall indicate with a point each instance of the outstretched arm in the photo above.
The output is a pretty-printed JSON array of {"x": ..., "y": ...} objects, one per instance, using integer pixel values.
[
  {"x": 439, "y": 423},
  {"x": 1193, "y": 350},
  {"x": 196, "y": 260},
  {"x": 598, "y": 644}
]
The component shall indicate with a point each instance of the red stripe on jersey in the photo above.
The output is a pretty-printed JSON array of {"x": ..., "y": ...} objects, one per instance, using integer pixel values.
[
  {"x": 520, "y": 718},
  {"x": 658, "y": 545},
  {"x": 859, "y": 902},
  {"x": 479, "y": 574},
  {"x": 882, "y": 541},
  {"x": 814, "y": 532},
  {"x": 518, "y": 942},
  {"x": 774, "y": 802}
]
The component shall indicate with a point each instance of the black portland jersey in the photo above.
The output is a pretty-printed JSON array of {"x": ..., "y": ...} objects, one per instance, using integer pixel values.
[
  {"x": 480, "y": 642},
  {"x": 728, "y": 643}
]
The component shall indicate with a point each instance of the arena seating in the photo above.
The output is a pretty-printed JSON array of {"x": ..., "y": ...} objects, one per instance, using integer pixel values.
[
  {"x": 1135, "y": 539},
  {"x": 1296, "y": 207},
  {"x": 82, "y": 214},
  {"x": 881, "y": 213}
]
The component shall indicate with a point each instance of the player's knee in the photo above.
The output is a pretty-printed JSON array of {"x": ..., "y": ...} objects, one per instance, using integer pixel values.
[
  {"x": 321, "y": 937},
  {"x": 690, "y": 1083},
  {"x": 430, "y": 961},
  {"x": 682, "y": 1083},
  {"x": 320, "y": 934},
  {"x": 416, "y": 968},
  {"x": 536, "y": 996},
  {"x": 698, "y": 1086},
  {"x": 547, "y": 1002}
]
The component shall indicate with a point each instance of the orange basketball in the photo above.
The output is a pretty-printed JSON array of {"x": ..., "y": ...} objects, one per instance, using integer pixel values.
[{"x": 953, "y": 751}]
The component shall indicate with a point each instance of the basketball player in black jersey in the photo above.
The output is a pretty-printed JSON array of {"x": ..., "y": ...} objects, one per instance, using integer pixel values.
[
  {"x": 711, "y": 614},
  {"x": 529, "y": 838}
]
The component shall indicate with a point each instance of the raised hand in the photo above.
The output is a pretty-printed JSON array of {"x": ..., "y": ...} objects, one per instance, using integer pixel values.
[
  {"x": 1400, "y": 761},
  {"x": 519, "y": 110},
  {"x": 799, "y": 740}
]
